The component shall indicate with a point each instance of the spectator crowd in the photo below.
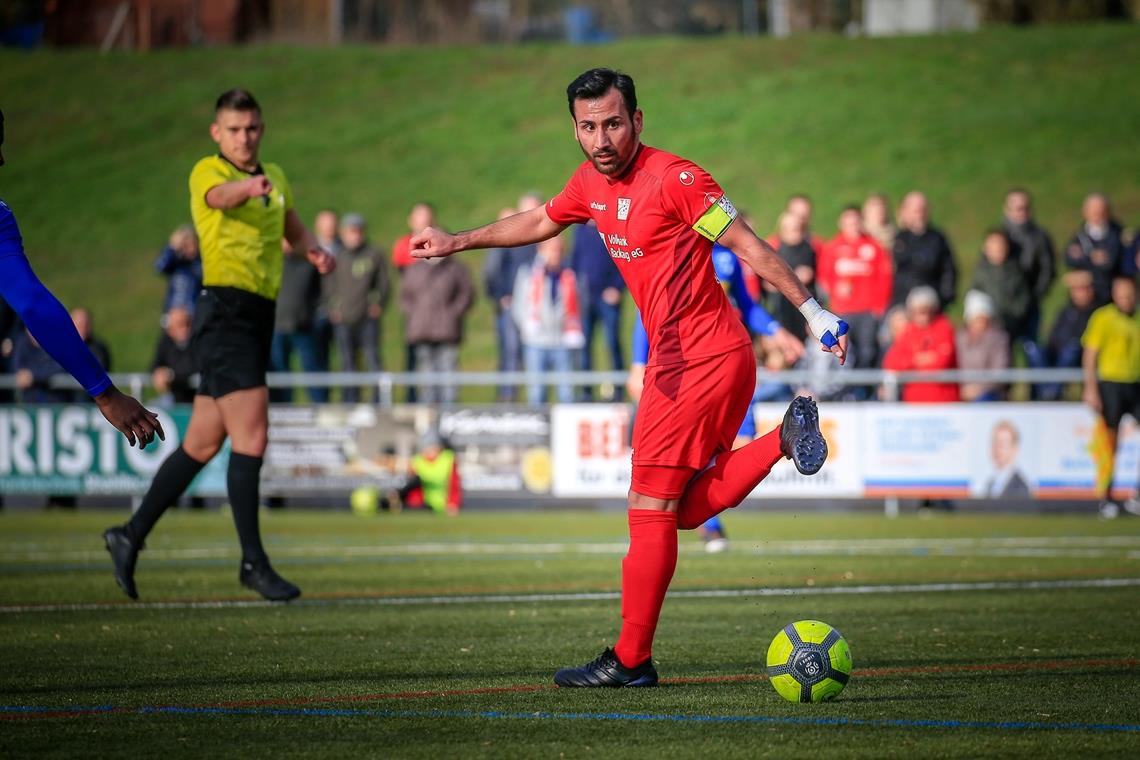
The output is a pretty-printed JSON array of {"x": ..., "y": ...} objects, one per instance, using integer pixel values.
[{"x": 893, "y": 278}]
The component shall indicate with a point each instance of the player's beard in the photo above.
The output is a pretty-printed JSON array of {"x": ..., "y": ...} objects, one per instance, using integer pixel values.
[{"x": 610, "y": 169}]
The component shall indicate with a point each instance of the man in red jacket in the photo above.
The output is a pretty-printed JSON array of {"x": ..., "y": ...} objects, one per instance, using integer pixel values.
[
  {"x": 925, "y": 344},
  {"x": 856, "y": 274}
]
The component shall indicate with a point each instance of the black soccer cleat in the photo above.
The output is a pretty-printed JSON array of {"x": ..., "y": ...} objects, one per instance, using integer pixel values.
[
  {"x": 262, "y": 578},
  {"x": 800, "y": 439},
  {"x": 607, "y": 672},
  {"x": 124, "y": 555}
]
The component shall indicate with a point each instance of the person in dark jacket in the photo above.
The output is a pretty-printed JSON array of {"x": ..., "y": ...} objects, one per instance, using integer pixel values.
[
  {"x": 1063, "y": 347},
  {"x": 603, "y": 288},
  {"x": 435, "y": 297},
  {"x": 1000, "y": 277},
  {"x": 35, "y": 370},
  {"x": 294, "y": 325},
  {"x": 1098, "y": 246},
  {"x": 794, "y": 246},
  {"x": 85, "y": 326},
  {"x": 1032, "y": 249},
  {"x": 922, "y": 253},
  {"x": 358, "y": 301},
  {"x": 500, "y": 269},
  {"x": 173, "y": 368}
]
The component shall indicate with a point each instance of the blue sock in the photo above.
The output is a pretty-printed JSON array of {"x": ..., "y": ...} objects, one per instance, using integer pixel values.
[{"x": 712, "y": 525}]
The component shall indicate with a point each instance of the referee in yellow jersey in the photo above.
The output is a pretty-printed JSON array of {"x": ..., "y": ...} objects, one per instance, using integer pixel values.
[
  {"x": 1111, "y": 364},
  {"x": 242, "y": 209}
]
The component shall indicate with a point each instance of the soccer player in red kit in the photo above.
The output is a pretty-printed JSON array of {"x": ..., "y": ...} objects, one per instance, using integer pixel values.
[{"x": 659, "y": 215}]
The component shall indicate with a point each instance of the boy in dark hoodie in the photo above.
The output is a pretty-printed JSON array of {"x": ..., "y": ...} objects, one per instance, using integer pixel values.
[{"x": 999, "y": 276}]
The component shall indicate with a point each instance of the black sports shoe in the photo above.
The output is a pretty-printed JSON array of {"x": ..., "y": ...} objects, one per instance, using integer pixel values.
[
  {"x": 262, "y": 578},
  {"x": 606, "y": 671},
  {"x": 124, "y": 555},
  {"x": 800, "y": 439}
]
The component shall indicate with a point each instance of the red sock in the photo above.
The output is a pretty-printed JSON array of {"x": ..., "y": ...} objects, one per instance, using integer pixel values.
[
  {"x": 732, "y": 477},
  {"x": 645, "y": 574}
]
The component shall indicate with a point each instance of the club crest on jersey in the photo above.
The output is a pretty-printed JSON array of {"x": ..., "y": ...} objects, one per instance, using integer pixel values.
[{"x": 623, "y": 209}]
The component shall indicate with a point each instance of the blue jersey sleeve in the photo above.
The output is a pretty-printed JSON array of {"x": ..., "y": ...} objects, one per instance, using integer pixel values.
[
  {"x": 640, "y": 341},
  {"x": 44, "y": 315},
  {"x": 755, "y": 316},
  {"x": 10, "y": 241}
]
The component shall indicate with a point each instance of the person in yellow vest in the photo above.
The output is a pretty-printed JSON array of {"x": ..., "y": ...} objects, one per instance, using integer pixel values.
[
  {"x": 433, "y": 478},
  {"x": 1111, "y": 364}
]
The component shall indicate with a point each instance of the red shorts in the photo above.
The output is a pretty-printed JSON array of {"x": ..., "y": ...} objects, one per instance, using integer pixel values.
[{"x": 689, "y": 413}]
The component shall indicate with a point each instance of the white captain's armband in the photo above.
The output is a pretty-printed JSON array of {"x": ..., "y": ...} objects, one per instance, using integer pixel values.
[{"x": 715, "y": 221}]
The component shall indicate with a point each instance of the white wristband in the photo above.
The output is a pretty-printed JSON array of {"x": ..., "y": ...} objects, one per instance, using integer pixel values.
[{"x": 825, "y": 326}]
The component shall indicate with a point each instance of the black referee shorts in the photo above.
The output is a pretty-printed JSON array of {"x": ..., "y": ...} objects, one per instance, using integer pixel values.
[
  {"x": 1118, "y": 399},
  {"x": 233, "y": 331}
]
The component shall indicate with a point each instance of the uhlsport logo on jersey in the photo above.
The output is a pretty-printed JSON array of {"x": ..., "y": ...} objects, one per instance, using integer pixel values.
[
  {"x": 686, "y": 178},
  {"x": 623, "y": 209}
]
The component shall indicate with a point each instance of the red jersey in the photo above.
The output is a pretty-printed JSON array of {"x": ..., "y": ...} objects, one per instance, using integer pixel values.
[
  {"x": 928, "y": 348},
  {"x": 856, "y": 274},
  {"x": 402, "y": 252},
  {"x": 659, "y": 220}
]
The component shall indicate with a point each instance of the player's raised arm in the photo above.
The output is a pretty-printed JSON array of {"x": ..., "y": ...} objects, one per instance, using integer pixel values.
[
  {"x": 520, "y": 229},
  {"x": 829, "y": 329},
  {"x": 232, "y": 194}
]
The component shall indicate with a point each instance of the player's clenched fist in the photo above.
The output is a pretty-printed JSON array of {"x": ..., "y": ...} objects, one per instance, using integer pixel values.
[
  {"x": 258, "y": 185},
  {"x": 431, "y": 243}
]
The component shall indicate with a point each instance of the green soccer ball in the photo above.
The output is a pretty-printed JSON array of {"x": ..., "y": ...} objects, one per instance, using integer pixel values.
[{"x": 809, "y": 661}]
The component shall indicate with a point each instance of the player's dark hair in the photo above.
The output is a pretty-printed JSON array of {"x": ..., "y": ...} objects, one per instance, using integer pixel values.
[
  {"x": 852, "y": 207},
  {"x": 236, "y": 100},
  {"x": 595, "y": 83}
]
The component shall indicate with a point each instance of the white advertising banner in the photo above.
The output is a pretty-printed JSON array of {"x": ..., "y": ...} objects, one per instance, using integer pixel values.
[
  {"x": 590, "y": 449},
  {"x": 843, "y": 474},
  {"x": 949, "y": 451}
]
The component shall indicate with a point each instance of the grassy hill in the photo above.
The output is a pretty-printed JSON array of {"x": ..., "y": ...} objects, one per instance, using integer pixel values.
[{"x": 99, "y": 147}]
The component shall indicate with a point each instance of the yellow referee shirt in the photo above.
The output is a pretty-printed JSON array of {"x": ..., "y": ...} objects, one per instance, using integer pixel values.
[
  {"x": 1116, "y": 338},
  {"x": 241, "y": 247}
]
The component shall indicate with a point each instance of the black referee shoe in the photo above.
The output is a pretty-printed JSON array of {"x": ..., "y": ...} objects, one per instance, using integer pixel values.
[
  {"x": 262, "y": 578},
  {"x": 124, "y": 555},
  {"x": 800, "y": 439},
  {"x": 606, "y": 671}
]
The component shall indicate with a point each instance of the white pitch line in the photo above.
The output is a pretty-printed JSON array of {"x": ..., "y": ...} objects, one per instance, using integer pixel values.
[
  {"x": 590, "y": 596},
  {"x": 1077, "y": 546}
]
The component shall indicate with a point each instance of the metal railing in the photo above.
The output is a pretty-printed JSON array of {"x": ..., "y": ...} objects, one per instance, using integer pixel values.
[{"x": 386, "y": 383}]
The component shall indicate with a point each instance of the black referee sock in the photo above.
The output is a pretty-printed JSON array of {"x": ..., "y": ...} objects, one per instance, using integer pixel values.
[
  {"x": 243, "y": 484},
  {"x": 171, "y": 480}
]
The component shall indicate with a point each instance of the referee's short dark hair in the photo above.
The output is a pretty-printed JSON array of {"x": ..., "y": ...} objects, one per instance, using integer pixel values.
[
  {"x": 595, "y": 83},
  {"x": 236, "y": 99}
]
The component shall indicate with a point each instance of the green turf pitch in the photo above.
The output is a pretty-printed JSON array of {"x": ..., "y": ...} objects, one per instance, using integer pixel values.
[{"x": 419, "y": 637}]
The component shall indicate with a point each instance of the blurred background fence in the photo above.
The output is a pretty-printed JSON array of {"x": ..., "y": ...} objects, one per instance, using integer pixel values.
[{"x": 147, "y": 24}]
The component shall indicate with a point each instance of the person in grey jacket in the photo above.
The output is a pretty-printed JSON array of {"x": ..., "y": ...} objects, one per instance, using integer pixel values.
[
  {"x": 1000, "y": 277},
  {"x": 435, "y": 296},
  {"x": 359, "y": 297},
  {"x": 547, "y": 308},
  {"x": 1032, "y": 249}
]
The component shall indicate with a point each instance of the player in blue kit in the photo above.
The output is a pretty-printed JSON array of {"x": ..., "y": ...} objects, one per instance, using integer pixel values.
[
  {"x": 731, "y": 277},
  {"x": 50, "y": 324}
]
